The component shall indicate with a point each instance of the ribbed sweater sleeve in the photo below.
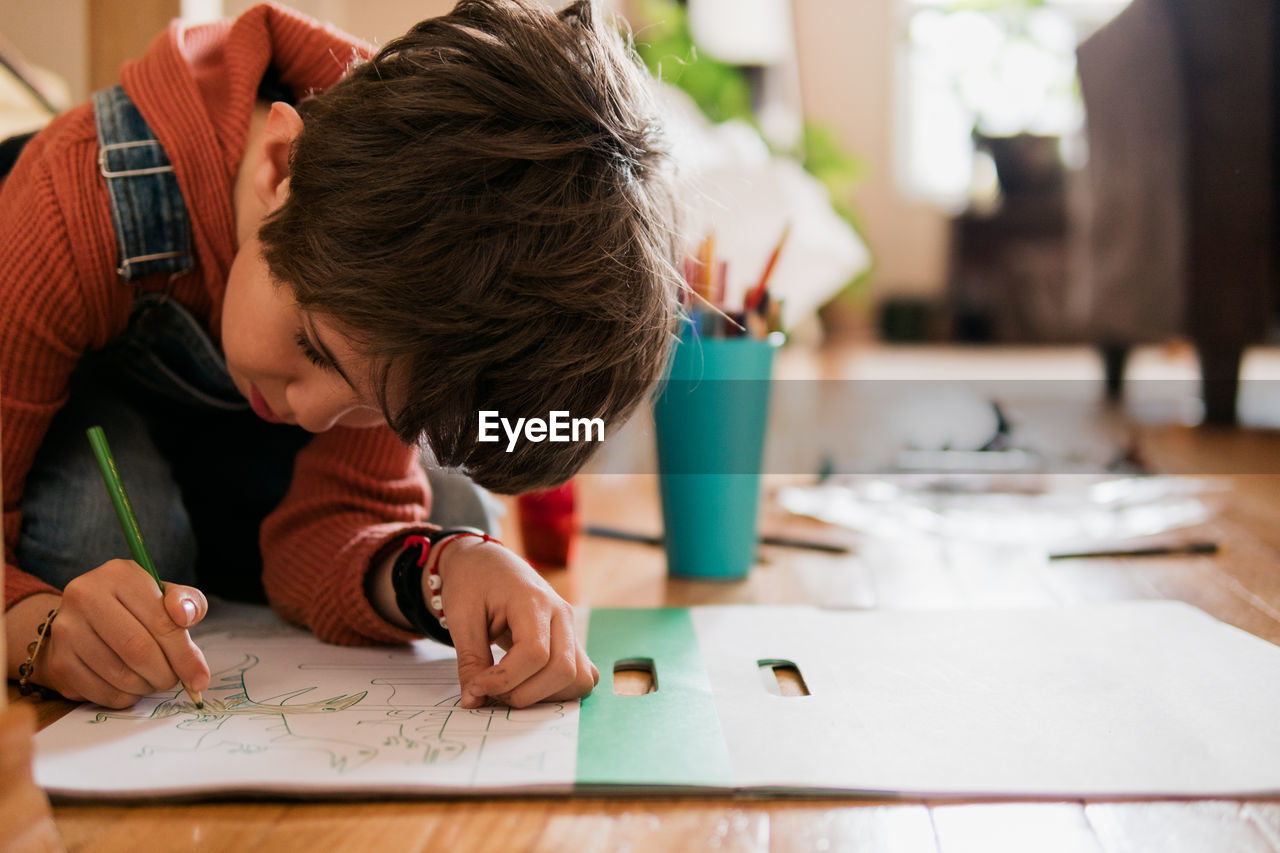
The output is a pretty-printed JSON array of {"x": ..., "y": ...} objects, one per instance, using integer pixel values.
[
  {"x": 353, "y": 493},
  {"x": 57, "y": 301}
]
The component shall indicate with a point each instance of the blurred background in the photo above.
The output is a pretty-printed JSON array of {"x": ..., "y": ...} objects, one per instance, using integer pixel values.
[{"x": 1096, "y": 173}]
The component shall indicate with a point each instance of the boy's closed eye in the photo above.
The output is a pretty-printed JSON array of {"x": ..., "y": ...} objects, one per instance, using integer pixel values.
[
  {"x": 321, "y": 354},
  {"x": 312, "y": 353}
]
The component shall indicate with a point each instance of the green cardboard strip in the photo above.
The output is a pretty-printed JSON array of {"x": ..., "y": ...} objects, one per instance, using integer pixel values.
[{"x": 671, "y": 737}]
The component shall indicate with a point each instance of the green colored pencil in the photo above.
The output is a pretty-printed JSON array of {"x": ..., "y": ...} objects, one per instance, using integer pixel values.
[{"x": 128, "y": 519}]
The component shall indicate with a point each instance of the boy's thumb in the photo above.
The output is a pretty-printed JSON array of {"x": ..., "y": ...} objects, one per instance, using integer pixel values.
[{"x": 185, "y": 605}]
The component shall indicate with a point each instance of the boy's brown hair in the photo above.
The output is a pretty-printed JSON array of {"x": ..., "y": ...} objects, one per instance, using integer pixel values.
[{"x": 484, "y": 206}]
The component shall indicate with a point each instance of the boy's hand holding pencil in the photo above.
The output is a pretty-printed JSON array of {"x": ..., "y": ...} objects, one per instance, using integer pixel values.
[
  {"x": 117, "y": 638},
  {"x": 120, "y": 632}
]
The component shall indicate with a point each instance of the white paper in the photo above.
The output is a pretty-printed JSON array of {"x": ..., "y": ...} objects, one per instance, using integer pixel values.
[
  {"x": 1131, "y": 699},
  {"x": 288, "y": 714}
]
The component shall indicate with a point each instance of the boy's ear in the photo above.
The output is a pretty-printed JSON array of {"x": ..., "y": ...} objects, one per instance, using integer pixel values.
[{"x": 271, "y": 179}]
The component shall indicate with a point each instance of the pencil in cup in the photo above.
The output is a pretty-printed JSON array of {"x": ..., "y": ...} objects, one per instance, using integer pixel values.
[{"x": 128, "y": 519}]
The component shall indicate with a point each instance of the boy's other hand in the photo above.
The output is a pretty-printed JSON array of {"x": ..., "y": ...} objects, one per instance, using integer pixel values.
[
  {"x": 492, "y": 596},
  {"x": 116, "y": 638}
]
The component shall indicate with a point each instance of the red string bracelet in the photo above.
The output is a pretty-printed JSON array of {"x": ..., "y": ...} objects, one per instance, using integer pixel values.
[{"x": 434, "y": 582}]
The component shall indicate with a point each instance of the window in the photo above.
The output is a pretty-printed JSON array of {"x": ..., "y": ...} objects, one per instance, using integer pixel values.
[{"x": 998, "y": 67}]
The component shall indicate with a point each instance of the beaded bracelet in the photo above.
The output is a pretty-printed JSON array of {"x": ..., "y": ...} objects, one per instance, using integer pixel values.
[
  {"x": 406, "y": 581},
  {"x": 26, "y": 669},
  {"x": 426, "y": 617},
  {"x": 434, "y": 582}
]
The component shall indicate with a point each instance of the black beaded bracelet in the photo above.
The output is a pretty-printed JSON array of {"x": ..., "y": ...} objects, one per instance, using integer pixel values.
[
  {"x": 406, "y": 581},
  {"x": 26, "y": 670}
]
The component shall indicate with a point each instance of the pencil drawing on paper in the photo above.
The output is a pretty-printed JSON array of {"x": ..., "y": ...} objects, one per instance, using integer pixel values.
[
  {"x": 233, "y": 722},
  {"x": 282, "y": 705}
]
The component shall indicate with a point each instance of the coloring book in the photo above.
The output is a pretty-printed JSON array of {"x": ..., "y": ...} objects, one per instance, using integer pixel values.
[{"x": 1130, "y": 699}]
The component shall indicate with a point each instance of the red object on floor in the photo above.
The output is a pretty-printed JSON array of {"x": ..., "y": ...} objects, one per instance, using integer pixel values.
[{"x": 549, "y": 526}]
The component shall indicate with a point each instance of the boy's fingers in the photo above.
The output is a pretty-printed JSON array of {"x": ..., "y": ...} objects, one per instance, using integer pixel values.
[
  {"x": 100, "y": 692},
  {"x": 587, "y": 679},
  {"x": 120, "y": 604},
  {"x": 470, "y": 633},
  {"x": 530, "y": 650},
  {"x": 185, "y": 605},
  {"x": 558, "y": 674},
  {"x": 180, "y": 651},
  {"x": 89, "y": 685},
  {"x": 113, "y": 642},
  {"x": 186, "y": 659},
  {"x": 135, "y": 666}
]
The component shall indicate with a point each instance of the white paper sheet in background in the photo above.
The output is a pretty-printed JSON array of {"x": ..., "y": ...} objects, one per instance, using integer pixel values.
[
  {"x": 1129, "y": 699},
  {"x": 290, "y": 715},
  {"x": 1050, "y": 510}
]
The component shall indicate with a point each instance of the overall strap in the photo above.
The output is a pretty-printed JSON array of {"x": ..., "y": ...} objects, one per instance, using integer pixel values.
[{"x": 153, "y": 231}]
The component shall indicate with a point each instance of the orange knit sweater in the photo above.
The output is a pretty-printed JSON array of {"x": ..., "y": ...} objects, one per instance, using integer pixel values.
[{"x": 353, "y": 491}]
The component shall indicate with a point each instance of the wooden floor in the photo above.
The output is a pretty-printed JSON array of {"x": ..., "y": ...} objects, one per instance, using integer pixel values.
[{"x": 1239, "y": 585}]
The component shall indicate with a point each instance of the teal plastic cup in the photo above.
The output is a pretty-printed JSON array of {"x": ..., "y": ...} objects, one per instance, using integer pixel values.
[{"x": 710, "y": 421}]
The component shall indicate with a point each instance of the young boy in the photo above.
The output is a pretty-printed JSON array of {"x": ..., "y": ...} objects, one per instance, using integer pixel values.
[{"x": 268, "y": 264}]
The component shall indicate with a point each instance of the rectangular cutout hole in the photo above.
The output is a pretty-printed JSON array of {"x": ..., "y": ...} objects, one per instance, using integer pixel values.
[
  {"x": 634, "y": 677},
  {"x": 782, "y": 678}
]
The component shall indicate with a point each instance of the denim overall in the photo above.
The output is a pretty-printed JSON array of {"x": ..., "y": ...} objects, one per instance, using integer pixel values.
[{"x": 201, "y": 469}]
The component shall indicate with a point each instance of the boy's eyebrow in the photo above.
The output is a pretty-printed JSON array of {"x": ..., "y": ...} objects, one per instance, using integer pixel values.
[{"x": 328, "y": 353}]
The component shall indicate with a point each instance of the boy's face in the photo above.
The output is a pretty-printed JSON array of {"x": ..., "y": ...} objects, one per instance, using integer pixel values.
[{"x": 292, "y": 366}]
